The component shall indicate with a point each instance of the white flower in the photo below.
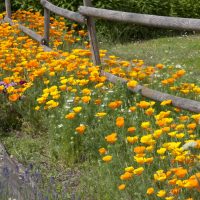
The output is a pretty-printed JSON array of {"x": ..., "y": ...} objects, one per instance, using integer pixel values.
[
  {"x": 60, "y": 125},
  {"x": 192, "y": 144},
  {"x": 178, "y": 67},
  {"x": 70, "y": 101}
]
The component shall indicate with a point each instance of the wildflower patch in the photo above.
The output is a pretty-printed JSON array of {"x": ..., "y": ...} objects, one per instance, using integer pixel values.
[{"x": 137, "y": 148}]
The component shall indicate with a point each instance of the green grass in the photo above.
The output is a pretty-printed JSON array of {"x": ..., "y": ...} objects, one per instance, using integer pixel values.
[{"x": 171, "y": 50}]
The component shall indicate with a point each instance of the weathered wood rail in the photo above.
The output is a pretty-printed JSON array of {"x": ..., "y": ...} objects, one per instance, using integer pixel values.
[
  {"x": 26, "y": 30},
  {"x": 63, "y": 12},
  {"x": 87, "y": 14},
  {"x": 183, "y": 103},
  {"x": 142, "y": 19},
  {"x": 29, "y": 32}
]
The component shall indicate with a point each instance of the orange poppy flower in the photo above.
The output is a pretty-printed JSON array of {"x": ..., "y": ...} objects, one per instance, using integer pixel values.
[{"x": 14, "y": 97}]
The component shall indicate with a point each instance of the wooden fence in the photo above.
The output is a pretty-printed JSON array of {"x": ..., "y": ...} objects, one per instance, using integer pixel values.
[{"x": 86, "y": 15}]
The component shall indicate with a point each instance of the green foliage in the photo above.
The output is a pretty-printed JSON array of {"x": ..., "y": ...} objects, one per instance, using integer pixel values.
[
  {"x": 35, "y": 4},
  {"x": 2, "y": 6},
  {"x": 126, "y": 32},
  {"x": 26, "y": 4},
  {"x": 119, "y": 32},
  {"x": 9, "y": 118},
  {"x": 184, "y": 8}
]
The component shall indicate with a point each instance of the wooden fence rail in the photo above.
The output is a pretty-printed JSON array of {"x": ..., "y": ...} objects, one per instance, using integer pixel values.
[
  {"x": 74, "y": 16},
  {"x": 87, "y": 13},
  {"x": 29, "y": 32},
  {"x": 183, "y": 103},
  {"x": 26, "y": 30},
  {"x": 142, "y": 19}
]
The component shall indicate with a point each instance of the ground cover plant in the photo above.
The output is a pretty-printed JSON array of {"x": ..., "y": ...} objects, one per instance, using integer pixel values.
[{"x": 129, "y": 147}]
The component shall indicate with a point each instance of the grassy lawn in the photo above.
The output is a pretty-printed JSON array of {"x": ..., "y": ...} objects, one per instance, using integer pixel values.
[{"x": 173, "y": 50}]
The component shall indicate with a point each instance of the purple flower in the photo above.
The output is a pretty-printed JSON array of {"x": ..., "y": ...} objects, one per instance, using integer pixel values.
[
  {"x": 11, "y": 84},
  {"x": 2, "y": 83},
  {"x": 22, "y": 82},
  {"x": 6, "y": 171}
]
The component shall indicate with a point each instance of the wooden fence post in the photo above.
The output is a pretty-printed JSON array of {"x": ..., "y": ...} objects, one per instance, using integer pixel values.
[
  {"x": 46, "y": 26},
  {"x": 92, "y": 36},
  {"x": 8, "y": 8}
]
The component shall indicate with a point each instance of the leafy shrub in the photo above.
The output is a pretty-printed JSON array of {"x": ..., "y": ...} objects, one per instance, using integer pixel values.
[{"x": 127, "y": 32}]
